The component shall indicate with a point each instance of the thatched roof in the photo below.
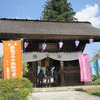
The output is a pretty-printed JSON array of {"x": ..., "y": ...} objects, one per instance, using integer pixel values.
[{"x": 39, "y": 29}]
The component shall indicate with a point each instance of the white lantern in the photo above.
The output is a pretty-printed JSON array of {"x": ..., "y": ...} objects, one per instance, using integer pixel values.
[
  {"x": 60, "y": 44},
  {"x": 44, "y": 45},
  {"x": 91, "y": 40},
  {"x": 77, "y": 43}
]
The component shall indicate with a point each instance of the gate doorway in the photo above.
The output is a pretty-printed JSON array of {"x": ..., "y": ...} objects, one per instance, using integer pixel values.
[
  {"x": 69, "y": 76},
  {"x": 51, "y": 64}
]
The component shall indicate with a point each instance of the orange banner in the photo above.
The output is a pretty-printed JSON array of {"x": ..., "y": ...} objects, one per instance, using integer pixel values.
[{"x": 12, "y": 59}]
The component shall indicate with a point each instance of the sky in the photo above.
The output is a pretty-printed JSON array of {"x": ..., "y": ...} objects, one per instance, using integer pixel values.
[
  {"x": 92, "y": 49},
  {"x": 86, "y": 10}
]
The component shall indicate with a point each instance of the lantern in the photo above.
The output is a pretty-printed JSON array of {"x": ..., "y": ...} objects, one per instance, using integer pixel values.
[
  {"x": 77, "y": 43},
  {"x": 60, "y": 44},
  {"x": 44, "y": 45},
  {"x": 91, "y": 40},
  {"x": 25, "y": 44}
]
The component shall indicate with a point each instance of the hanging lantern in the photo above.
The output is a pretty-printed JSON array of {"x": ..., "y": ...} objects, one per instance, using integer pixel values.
[
  {"x": 91, "y": 40},
  {"x": 60, "y": 44},
  {"x": 25, "y": 44},
  {"x": 77, "y": 43},
  {"x": 44, "y": 45}
]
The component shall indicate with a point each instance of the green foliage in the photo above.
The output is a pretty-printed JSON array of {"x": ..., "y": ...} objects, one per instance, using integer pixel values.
[
  {"x": 97, "y": 93},
  {"x": 58, "y": 10},
  {"x": 94, "y": 78},
  {"x": 15, "y": 89},
  {"x": 93, "y": 91},
  {"x": 25, "y": 69},
  {"x": 97, "y": 81}
]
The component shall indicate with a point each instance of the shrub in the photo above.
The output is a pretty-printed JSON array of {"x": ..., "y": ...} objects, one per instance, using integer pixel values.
[
  {"x": 15, "y": 89},
  {"x": 94, "y": 78},
  {"x": 96, "y": 93},
  {"x": 97, "y": 82},
  {"x": 93, "y": 91}
]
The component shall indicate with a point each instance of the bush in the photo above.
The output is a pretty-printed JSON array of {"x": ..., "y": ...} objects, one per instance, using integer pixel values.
[
  {"x": 15, "y": 89},
  {"x": 97, "y": 93},
  {"x": 93, "y": 91},
  {"x": 94, "y": 78},
  {"x": 97, "y": 82}
]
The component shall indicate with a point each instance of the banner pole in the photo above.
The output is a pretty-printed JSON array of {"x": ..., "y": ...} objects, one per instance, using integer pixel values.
[{"x": 22, "y": 54}]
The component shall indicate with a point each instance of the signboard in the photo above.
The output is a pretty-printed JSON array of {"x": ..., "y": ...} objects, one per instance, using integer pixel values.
[
  {"x": 85, "y": 74},
  {"x": 50, "y": 47},
  {"x": 12, "y": 59}
]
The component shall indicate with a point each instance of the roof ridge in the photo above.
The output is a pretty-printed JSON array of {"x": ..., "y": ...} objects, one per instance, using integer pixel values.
[{"x": 44, "y": 20}]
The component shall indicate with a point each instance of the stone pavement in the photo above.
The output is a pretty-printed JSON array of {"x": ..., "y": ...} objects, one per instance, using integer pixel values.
[{"x": 62, "y": 93}]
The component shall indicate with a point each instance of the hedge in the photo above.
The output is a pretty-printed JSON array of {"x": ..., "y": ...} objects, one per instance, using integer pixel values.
[{"x": 15, "y": 89}]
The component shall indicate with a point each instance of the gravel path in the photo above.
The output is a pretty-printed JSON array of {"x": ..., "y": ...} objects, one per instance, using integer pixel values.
[{"x": 62, "y": 95}]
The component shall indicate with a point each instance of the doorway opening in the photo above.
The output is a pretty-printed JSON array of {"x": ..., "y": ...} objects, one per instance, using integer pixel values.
[{"x": 52, "y": 65}]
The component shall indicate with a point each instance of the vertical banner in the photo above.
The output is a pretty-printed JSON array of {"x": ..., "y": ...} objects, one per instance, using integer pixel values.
[
  {"x": 85, "y": 74},
  {"x": 98, "y": 71},
  {"x": 12, "y": 59}
]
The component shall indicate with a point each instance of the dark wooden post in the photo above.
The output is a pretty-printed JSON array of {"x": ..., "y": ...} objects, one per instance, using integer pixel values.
[
  {"x": 62, "y": 73},
  {"x": 34, "y": 67}
]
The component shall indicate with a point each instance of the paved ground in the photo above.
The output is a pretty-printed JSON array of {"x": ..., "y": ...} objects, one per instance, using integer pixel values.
[{"x": 61, "y": 93}]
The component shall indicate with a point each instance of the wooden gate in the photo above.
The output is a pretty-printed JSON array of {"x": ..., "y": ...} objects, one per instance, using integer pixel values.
[{"x": 71, "y": 73}]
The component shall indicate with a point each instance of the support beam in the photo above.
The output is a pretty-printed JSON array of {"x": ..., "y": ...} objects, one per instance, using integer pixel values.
[{"x": 61, "y": 73}]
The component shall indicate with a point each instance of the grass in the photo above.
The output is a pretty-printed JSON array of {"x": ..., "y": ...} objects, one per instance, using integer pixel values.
[{"x": 93, "y": 91}]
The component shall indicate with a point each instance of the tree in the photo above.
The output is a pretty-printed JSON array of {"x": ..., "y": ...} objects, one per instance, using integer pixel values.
[{"x": 58, "y": 10}]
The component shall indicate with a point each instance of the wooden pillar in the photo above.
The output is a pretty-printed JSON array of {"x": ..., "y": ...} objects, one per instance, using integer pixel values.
[
  {"x": 62, "y": 73},
  {"x": 34, "y": 67}
]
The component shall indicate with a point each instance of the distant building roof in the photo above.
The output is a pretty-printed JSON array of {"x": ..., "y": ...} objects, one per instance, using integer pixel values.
[{"x": 25, "y": 26}]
